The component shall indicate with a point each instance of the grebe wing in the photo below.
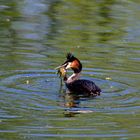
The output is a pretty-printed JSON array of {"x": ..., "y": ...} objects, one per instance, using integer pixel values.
[{"x": 83, "y": 85}]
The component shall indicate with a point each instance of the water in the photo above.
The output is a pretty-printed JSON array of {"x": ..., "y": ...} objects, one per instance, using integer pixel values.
[{"x": 35, "y": 36}]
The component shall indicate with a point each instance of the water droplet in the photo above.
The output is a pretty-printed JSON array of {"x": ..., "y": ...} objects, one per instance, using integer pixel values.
[
  {"x": 27, "y": 81},
  {"x": 108, "y": 78}
]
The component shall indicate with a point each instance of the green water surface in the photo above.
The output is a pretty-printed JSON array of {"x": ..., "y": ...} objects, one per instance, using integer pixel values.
[{"x": 35, "y": 36}]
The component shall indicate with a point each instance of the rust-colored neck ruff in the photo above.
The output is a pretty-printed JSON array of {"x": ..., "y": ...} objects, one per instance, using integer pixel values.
[{"x": 76, "y": 66}]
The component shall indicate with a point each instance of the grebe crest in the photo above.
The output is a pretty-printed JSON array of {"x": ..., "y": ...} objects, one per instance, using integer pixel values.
[{"x": 73, "y": 83}]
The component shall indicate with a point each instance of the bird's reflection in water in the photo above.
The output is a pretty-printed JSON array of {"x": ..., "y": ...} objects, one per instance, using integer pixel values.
[{"x": 71, "y": 102}]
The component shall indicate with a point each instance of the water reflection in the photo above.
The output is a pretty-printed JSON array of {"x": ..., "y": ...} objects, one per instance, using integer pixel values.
[
  {"x": 72, "y": 22},
  {"x": 72, "y": 102},
  {"x": 105, "y": 21},
  {"x": 108, "y": 22},
  {"x": 24, "y": 32},
  {"x": 35, "y": 35}
]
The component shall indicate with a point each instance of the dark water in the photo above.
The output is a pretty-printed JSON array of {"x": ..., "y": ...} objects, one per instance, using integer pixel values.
[{"x": 35, "y": 35}]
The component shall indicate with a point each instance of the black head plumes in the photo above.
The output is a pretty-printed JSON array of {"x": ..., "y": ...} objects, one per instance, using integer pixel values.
[{"x": 70, "y": 57}]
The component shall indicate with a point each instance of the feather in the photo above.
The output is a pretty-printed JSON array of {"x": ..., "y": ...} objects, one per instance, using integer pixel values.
[
  {"x": 70, "y": 57},
  {"x": 82, "y": 86}
]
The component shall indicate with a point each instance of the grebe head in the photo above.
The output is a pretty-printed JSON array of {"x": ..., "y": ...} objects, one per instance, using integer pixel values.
[{"x": 73, "y": 63}]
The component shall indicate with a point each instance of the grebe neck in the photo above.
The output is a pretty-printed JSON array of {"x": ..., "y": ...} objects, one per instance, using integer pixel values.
[{"x": 73, "y": 77}]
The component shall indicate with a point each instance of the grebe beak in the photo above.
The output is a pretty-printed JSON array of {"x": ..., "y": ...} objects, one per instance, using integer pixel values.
[
  {"x": 66, "y": 65},
  {"x": 60, "y": 67},
  {"x": 63, "y": 65}
]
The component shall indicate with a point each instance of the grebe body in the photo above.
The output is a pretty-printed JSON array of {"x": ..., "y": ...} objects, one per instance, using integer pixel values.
[
  {"x": 83, "y": 87},
  {"x": 73, "y": 83}
]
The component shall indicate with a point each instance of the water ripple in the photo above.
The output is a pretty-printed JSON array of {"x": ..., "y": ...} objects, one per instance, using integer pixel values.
[
  {"x": 37, "y": 87},
  {"x": 32, "y": 95}
]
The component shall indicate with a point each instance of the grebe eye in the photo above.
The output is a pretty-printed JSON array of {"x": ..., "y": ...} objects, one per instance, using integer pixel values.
[{"x": 66, "y": 65}]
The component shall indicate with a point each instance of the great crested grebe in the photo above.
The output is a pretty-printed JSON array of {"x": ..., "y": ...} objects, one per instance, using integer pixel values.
[{"x": 73, "y": 83}]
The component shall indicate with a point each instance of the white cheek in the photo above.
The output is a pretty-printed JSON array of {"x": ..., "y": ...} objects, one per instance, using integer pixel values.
[{"x": 68, "y": 66}]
